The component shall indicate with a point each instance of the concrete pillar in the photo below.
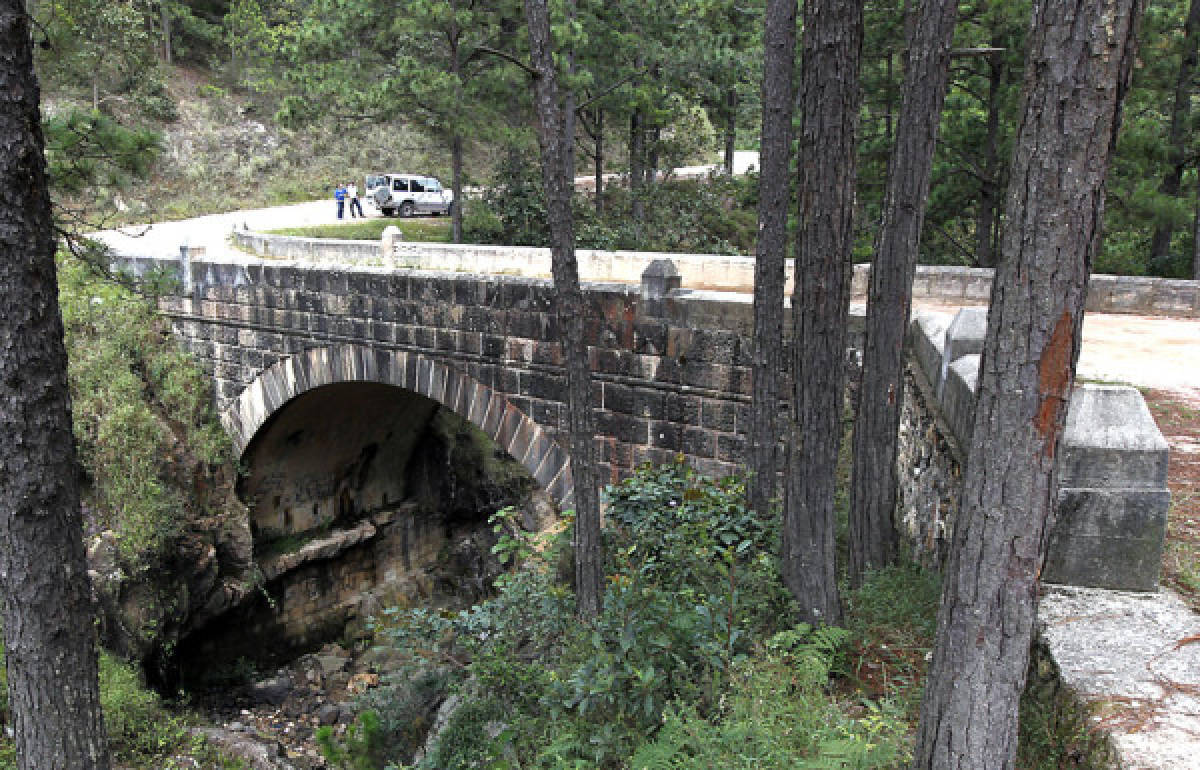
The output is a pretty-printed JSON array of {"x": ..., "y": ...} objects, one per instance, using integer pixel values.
[
  {"x": 387, "y": 242},
  {"x": 659, "y": 279},
  {"x": 1112, "y": 493}
]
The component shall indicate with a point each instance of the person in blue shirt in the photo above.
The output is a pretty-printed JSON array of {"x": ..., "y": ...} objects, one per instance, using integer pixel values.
[{"x": 339, "y": 195}]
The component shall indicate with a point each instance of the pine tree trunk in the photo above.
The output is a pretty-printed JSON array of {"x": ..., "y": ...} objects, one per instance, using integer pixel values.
[
  {"x": 637, "y": 165},
  {"x": 48, "y": 615},
  {"x": 1080, "y": 53},
  {"x": 456, "y": 171},
  {"x": 1181, "y": 110},
  {"x": 987, "y": 215},
  {"x": 873, "y": 538},
  {"x": 165, "y": 16},
  {"x": 599, "y": 161},
  {"x": 552, "y": 137},
  {"x": 774, "y": 203},
  {"x": 1196, "y": 239},
  {"x": 731, "y": 108},
  {"x": 829, "y": 100}
]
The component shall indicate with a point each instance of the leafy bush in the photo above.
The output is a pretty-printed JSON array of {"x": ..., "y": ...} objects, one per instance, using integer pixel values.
[
  {"x": 360, "y": 749},
  {"x": 693, "y": 593},
  {"x": 777, "y": 715},
  {"x": 715, "y": 215},
  {"x": 139, "y": 728},
  {"x": 141, "y": 408}
]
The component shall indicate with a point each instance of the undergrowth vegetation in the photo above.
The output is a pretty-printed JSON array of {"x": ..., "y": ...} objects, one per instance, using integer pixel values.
[
  {"x": 716, "y": 215},
  {"x": 142, "y": 412},
  {"x": 433, "y": 229},
  {"x": 694, "y": 661},
  {"x": 143, "y": 733}
]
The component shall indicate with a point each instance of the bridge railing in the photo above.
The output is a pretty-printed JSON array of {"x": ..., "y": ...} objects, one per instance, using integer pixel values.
[
  {"x": 1111, "y": 464},
  {"x": 950, "y": 284}
]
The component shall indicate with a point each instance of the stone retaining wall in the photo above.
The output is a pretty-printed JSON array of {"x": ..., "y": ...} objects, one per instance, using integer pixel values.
[
  {"x": 1111, "y": 465},
  {"x": 953, "y": 285}
]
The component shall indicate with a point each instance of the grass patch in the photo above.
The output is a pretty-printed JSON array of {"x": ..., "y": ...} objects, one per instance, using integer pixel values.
[{"x": 432, "y": 229}]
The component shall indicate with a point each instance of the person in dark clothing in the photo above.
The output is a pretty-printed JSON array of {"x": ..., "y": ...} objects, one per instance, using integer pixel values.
[{"x": 355, "y": 203}]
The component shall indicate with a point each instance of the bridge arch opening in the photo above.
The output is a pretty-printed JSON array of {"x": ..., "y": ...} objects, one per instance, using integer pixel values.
[{"x": 369, "y": 477}]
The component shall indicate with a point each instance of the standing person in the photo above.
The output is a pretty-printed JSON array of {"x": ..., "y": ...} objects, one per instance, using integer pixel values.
[
  {"x": 355, "y": 203},
  {"x": 339, "y": 195}
]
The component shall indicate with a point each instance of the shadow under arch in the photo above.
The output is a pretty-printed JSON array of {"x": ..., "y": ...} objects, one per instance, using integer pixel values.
[{"x": 491, "y": 411}]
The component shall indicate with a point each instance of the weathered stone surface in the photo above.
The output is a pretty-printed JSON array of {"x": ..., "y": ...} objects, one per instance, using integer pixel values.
[
  {"x": 1111, "y": 440},
  {"x": 927, "y": 341},
  {"x": 1107, "y": 538},
  {"x": 958, "y": 397},
  {"x": 1131, "y": 652},
  {"x": 964, "y": 337},
  {"x": 257, "y": 754}
]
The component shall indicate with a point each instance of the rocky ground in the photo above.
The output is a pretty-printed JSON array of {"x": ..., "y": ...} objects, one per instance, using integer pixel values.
[{"x": 272, "y": 722}]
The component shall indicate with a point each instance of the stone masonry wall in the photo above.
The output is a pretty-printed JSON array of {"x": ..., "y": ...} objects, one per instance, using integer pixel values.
[
  {"x": 671, "y": 374},
  {"x": 1111, "y": 465}
]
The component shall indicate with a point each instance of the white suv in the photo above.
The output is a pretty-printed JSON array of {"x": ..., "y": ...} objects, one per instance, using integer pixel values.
[{"x": 408, "y": 194}]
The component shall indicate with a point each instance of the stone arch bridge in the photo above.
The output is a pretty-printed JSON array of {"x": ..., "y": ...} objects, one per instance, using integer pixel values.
[{"x": 670, "y": 366}]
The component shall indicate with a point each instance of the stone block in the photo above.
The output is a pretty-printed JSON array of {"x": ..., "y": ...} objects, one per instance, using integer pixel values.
[
  {"x": 699, "y": 443},
  {"x": 964, "y": 337},
  {"x": 731, "y": 448},
  {"x": 927, "y": 340},
  {"x": 1107, "y": 538},
  {"x": 1111, "y": 440},
  {"x": 666, "y": 435},
  {"x": 958, "y": 399}
]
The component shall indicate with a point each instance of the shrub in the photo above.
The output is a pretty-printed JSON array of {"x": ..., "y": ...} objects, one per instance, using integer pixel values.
[{"x": 141, "y": 408}]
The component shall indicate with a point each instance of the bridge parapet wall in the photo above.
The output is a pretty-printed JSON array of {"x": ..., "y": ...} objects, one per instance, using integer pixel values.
[
  {"x": 671, "y": 374},
  {"x": 1112, "y": 497},
  {"x": 949, "y": 284}
]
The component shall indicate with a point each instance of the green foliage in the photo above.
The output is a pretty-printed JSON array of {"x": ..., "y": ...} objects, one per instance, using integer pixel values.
[
  {"x": 404, "y": 708},
  {"x": 1056, "y": 730},
  {"x": 778, "y": 715},
  {"x": 694, "y": 635},
  {"x": 141, "y": 409},
  {"x": 360, "y": 749},
  {"x": 87, "y": 152},
  {"x": 513, "y": 211},
  {"x": 142, "y": 732},
  {"x": 139, "y": 727},
  {"x": 893, "y": 616},
  {"x": 475, "y": 737},
  {"x": 433, "y": 230},
  {"x": 716, "y": 215}
]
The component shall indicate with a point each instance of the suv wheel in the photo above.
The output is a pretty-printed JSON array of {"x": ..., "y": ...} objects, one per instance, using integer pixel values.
[{"x": 407, "y": 209}]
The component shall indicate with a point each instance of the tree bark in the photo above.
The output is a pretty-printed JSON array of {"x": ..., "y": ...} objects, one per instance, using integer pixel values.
[
  {"x": 873, "y": 538},
  {"x": 637, "y": 165},
  {"x": 987, "y": 216},
  {"x": 829, "y": 100},
  {"x": 1080, "y": 53},
  {"x": 552, "y": 138},
  {"x": 599, "y": 161},
  {"x": 1160, "y": 243},
  {"x": 774, "y": 202},
  {"x": 48, "y": 628},
  {"x": 165, "y": 17},
  {"x": 1196, "y": 239},
  {"x": 731, "y": 108},
  {"x": 456, "y": 187}
]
